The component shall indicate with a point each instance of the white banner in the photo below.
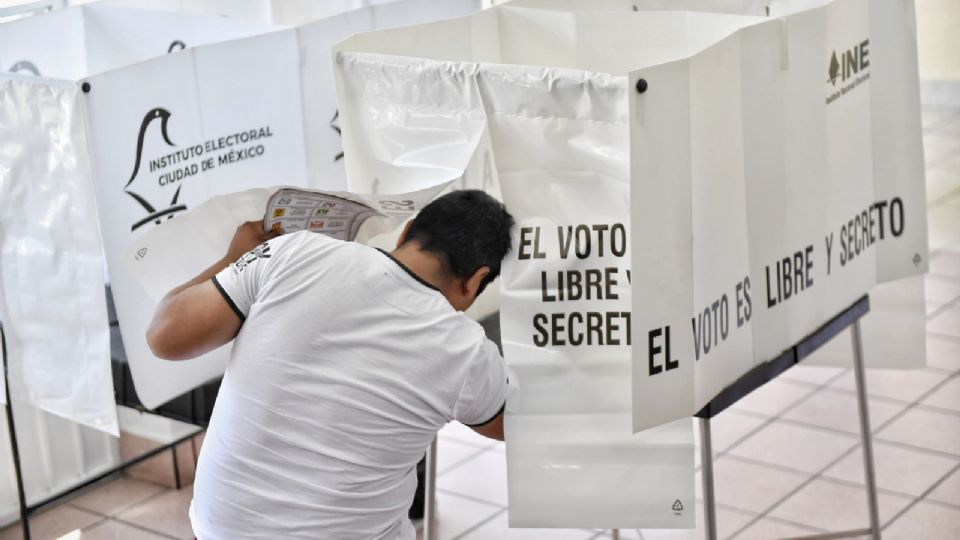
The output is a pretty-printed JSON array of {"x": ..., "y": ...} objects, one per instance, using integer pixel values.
[
  {"x": 789, "y": 224},
  {"x": 199, "y": 129}
]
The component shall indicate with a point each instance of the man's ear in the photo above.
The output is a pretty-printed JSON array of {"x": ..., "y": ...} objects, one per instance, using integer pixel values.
[
  {"x": 403, "y": 233},
  {"x": 471, "y": 285}
]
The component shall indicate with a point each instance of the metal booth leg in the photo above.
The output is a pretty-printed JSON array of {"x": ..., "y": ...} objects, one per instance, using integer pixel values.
[
  {"x": 866, "y": 439},
  {"x": 430, "y": 494},
  {"x": 706, "y": 475},
  {"x": 14, "y": 447}
]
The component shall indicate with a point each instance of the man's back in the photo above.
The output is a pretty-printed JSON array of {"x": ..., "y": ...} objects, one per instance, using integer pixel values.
[{"x": 345, "y": 367}]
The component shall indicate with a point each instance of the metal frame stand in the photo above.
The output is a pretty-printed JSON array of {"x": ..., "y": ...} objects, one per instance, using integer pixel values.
[
  {"x": 27, "y": 509},
  {"x": 766, "y": 372},
  {"x": 430, "y": 494}
]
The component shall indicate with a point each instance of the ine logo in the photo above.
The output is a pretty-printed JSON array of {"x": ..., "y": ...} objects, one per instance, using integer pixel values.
[
  {"x": 152, "y": 213},
  {"x": 24, "y": 66},
  {"x": 175, "y": 46},
  {"x": 848, "y": 63}
]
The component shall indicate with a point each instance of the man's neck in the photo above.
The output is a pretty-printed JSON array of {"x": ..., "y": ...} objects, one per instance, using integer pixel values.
[{"x": 425, "y": 265}]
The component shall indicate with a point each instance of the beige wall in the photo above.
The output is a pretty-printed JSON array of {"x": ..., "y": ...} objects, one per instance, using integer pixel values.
[{"x": 938, "y": 38}]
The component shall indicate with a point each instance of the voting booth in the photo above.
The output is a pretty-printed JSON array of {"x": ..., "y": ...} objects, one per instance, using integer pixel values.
[
  {"x": 154, "y": 128},
  {"x": 696, "y": 192},
  {"x": 54, "y": 319},
  {"x": 108, "y": 110}
]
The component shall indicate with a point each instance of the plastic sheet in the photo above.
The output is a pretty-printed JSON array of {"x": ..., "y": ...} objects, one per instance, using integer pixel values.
[{"x": 53, "y": 302}]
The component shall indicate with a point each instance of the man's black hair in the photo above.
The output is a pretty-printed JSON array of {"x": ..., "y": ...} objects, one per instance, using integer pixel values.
[{"x": 467, "y": 229}]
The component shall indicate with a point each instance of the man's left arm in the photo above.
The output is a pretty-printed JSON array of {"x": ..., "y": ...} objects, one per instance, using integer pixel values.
[{"x": 196, "y": 318}]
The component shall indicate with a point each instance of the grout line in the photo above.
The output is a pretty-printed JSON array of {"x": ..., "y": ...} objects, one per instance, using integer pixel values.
[
  {"x": 936, "y": 409},
  {"x": 923, "y": 496},
  {"x": 920, "y": 449},
  {"x": 771, "y": 419},
  {"x": 807, "y": 526},
  {"x": 912, "y": 404},
  {"x": 471, "y": 498},
  {"x": 843, "y": 455},
  {"x": 943, "y": 337},
  {"x": 945, "y": 307},
  {"x": 140, "y": 527},
  {"x": 479, "y": 524},
  {"x": 938, "y": 123},
  {"x": 476, "y": 453}
]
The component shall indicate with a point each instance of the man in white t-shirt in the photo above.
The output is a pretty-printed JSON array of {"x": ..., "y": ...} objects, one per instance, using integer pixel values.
[{"x": 346, "y": 362}]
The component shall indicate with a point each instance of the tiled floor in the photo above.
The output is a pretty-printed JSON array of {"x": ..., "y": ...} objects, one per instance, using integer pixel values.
[{"x": 787, "y": 458}]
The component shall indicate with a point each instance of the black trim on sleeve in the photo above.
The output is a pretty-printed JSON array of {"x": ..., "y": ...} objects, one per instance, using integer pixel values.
[
  {"x": 229, "y": 300},
  {"x": 407, "y": 270},
  {"x": 492, "y": 418}
]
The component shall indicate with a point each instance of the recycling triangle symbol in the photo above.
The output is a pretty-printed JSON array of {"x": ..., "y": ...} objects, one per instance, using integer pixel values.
[{"x": 677, "y": 506}]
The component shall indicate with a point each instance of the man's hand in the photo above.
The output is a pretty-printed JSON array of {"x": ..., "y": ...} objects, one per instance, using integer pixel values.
[
  {"x": 194, "y": 318},
  {"x": 248, "y": 236}
]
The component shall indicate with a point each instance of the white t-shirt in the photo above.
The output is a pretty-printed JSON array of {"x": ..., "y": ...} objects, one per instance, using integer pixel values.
[{"x": 345, "y": 368}]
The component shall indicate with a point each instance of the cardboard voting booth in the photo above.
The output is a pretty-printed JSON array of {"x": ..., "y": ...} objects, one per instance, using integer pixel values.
[{"x": 695, "y": 192}]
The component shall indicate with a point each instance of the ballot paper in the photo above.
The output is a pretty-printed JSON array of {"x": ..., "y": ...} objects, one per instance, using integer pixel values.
[
  {"x": 290, "y": 210},
  {"x": 179, "y": 249}
]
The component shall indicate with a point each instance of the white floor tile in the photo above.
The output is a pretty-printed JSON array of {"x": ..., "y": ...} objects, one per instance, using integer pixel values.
[
  {"x": 456, "y": 515},
  {"x": 898, "y": 469},
  {"x": 948, "y": 491},
  {"x": 946, "y": 265},
  {"x": 799, "y": 448},
  {"x": 942, "y": 289},
  {"x": 925, "y": 429},
  {"x": 835, "y": 507},
  {"x": 946, "y": 322},
  {"x": 765, "y": 529},
  {"x": 485, "y": 478},
  {"x": 499, "y": 529},
  {"x": 926, "y": 520},
  {"x": 452, "y": 453},
  {"x": 730, "y": 427},
  {"x": 899, "y": 384},
  {"x": 750, "y": 487},
  {"x": 943, "y": 353},
  {"x": 774, "y": 397},
  {"x": 840, "y": 411},
  {"x": 947, "y": 396}
]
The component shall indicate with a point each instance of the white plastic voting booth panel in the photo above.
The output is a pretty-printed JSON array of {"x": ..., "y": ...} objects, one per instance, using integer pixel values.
[
  {"x": 54, "y": 310},
  {"x": 51, "y": 295},
  {"x": 743, "y": 147},
  {"x": 51, "y": 264}
]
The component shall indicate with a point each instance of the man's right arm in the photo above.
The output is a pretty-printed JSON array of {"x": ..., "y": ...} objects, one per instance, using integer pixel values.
[{"x": 492, "y": 429}]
